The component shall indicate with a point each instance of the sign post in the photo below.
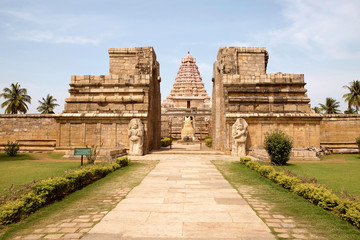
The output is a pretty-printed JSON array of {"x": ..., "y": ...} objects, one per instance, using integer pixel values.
[{"x": 82, "y": 152}]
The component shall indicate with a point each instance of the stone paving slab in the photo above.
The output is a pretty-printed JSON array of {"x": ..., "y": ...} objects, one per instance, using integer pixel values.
[{"x": 184, "y": 197}]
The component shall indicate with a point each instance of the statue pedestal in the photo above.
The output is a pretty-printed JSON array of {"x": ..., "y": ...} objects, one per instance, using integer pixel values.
[{"x": 188, "y": 132}]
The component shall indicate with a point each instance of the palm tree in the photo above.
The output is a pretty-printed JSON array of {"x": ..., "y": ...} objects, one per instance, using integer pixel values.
[
  {"x": 16, "y": 99},
  {"x": 350, "y": 110},
  {"x": 316, "y": 109},
  {"x": 331, "y": 106},
  {"x": 353, "y": 97},
  {"x": 47, "y": 105}
]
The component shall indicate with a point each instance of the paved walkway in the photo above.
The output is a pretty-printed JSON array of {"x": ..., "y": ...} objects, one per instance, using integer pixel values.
[{"x": 184, "y": 197}]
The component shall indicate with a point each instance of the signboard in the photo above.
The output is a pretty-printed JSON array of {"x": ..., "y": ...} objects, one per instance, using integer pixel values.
[{"x": 82, "y": 151}]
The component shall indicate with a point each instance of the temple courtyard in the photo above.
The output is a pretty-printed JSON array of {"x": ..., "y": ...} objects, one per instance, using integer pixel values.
[
  {"x": 180, "y": 193},
  {"x": 187, "y": 191}
]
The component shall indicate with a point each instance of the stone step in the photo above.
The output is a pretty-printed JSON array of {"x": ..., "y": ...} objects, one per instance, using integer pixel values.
[
  {"x": 29, "y": 145},
  {"x": 192, "y": 152}
]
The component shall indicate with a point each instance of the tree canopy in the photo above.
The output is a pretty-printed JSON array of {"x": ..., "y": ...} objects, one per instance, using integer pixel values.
[
  {"x": 353, "y": 96},
  {"x": 47, "y": 105},
  {"x": 16, "y": 99},
  {"x": 331, "y": 106}
]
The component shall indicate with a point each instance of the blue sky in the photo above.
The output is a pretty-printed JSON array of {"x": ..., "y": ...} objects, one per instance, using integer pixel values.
[{"x": 43, "y": 43}]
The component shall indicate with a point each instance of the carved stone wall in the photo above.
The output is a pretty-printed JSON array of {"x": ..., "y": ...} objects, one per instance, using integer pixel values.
[
  {"x": 34, "y": 132},
  {"x": 339, "y": 131},
  {"x": 242, "y": 86},
  {"x": 109, "y": 102},
  {"x": 303, "y": 129}
]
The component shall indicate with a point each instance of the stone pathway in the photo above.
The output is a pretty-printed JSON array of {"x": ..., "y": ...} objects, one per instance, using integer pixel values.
[
  {"x": 284, "y": 227},
  {"x": 76, "y": 228},
  {"x": 184, "y": 197}
]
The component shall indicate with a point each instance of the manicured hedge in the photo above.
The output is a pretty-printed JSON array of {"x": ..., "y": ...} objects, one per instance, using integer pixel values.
[
  {"x": 346, "y": 209},
  {"x": 208, "y": 141},
  {"x": 165, "y": 142},
  {"x": 49, "y": 190}
]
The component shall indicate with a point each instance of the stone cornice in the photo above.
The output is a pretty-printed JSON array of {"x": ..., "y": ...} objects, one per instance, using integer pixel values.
[{"x": 273, "y": 115}]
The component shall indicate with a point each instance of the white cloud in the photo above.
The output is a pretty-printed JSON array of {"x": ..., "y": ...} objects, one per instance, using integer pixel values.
[
  {"x": 39, "y": 36},
  {"x": 21, "y": 15},
  {"x": 26, "y": 26},
  {"x": 331, "y": 27}
]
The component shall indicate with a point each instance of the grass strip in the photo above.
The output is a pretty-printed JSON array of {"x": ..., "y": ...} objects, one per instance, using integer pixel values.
[
  {"x": 49, "y": 190},
  {"x": 340, "y": 172},
  {"x": 316, "y": 220},
  {"x": 88, "y": 199}
]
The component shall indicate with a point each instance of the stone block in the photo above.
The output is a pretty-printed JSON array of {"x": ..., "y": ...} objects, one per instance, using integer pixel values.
[
  {"x": 261, "y": 108},
  {"x": 290, "y": 108}
]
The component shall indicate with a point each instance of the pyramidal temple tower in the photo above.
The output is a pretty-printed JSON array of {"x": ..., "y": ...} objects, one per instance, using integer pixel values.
[
  {"x": 188, "y": 90},
  {"x": 188, "y": 98}
]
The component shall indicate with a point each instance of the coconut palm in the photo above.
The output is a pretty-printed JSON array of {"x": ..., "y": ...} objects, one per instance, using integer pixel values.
[
  {"x": 316, "y": 109},
  {"x": 350, "y": 110},
  {"x": 353, "y": 97},
  {"x": 15, "y": 99},
  {"x": 331, "y": 106},
  {"x": 47, "y": 105}
]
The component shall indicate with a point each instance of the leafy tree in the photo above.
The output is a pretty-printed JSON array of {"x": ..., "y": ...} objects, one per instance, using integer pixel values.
[
  {"x": 316, "y": 109},
  {"x": 331, "y": 106},
  {"x": 47, "y": 105},
  {"x": 15, "y": 99},
  {"x": 350, "y": 110},
  {"x": 353, "y": 97}
]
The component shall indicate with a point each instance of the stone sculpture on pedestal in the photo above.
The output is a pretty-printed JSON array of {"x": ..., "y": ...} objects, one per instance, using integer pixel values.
[
  {"x": 136, "y": 137},
  {"x": 239, "y": 136},
  {"x": 188, "y": 132}
]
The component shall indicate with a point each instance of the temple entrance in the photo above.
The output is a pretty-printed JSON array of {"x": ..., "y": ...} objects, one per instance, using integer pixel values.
[
  {"x": 186, "y": 112},
  {"x": 170, "y": 129}
]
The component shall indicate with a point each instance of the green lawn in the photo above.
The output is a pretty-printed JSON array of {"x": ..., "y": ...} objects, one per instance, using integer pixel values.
[
  {"x": 24, "y": 168},
  {"x": 306, "y": 215},
  {"x": 340, "y": 171},
  {"x": 79, "y": 202}
]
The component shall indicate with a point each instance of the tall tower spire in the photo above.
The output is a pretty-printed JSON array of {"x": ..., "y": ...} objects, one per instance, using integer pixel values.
[{"x": 188, "y": 89}]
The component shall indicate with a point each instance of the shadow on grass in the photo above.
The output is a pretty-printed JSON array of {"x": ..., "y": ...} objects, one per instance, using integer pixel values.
[{"x": 19, "y": 157}]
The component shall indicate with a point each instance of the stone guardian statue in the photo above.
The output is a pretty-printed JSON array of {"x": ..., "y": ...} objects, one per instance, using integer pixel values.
[
  {"x": 188, "y": 132},
  {"x": 239, "y": 136},
  {"x": 136, "y": 137}
]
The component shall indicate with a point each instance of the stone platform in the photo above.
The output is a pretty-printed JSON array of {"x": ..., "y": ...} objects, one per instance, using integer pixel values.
[{"x": 184, "y": 197}]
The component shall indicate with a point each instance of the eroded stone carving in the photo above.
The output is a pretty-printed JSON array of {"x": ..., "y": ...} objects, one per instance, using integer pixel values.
[
  {"x": 239, "y": 136},
  {"x": 136, "y": 137},
  {"x": 188, "y": 132}
]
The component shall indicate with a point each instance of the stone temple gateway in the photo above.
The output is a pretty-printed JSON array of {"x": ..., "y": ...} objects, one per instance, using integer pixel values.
[
  {"x": 98, "y": 110},
  {"x": 122, "y": 111},
  {"x": 243, "y": 89}
]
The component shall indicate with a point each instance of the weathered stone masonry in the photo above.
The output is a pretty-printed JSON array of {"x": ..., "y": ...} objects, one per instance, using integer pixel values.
[
  {"x": 188, "y": 98},
  {"x": 268, "y": 102},
  {"x": 100, "y": 108},
  {"x": 34, "y": 132}
]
